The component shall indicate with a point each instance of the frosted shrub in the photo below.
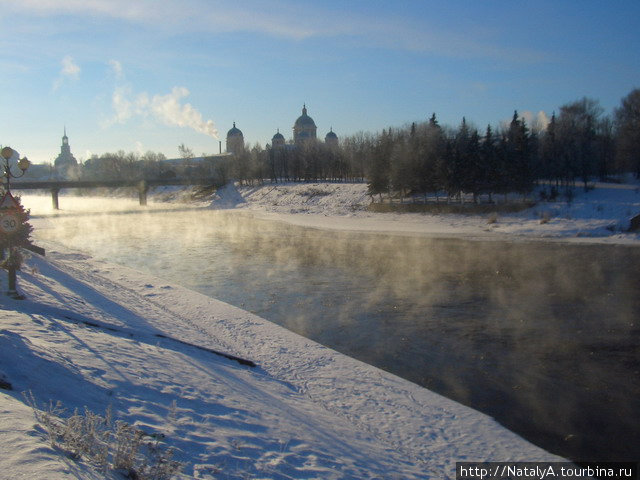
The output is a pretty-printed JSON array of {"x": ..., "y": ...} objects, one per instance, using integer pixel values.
[
  {"x": 127, "y": 444},
  {"x": 87, "y": 435},
  {"x": 111, "y": 446},
  {"x": 159, "y": 463}
]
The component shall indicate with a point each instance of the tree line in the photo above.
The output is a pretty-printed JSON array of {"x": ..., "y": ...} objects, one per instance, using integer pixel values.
[{"x": 578, "y": 144}]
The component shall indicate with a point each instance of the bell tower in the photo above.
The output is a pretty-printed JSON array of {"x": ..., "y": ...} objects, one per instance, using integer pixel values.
[{"x": 66, "y": 158}]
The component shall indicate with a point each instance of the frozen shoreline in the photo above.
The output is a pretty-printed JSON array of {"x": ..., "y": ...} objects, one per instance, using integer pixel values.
[{"x": 599, "y": 216}]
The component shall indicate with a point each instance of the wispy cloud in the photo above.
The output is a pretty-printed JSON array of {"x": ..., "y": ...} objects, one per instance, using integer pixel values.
[
  {"x": 116, "y": 68},
  {"x": 69, "y": 70},
  {"x": 287, "y": 20},
  {"x": 122, "y": 106},
  {"x": 69, "y": 67},
  {"x": 214, "y": 16}
]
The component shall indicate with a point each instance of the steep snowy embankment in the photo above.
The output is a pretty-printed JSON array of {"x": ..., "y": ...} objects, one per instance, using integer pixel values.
[{"x": 94, "y": 334}]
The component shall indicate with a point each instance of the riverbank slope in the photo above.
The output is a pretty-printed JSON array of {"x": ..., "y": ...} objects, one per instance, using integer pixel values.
[
  {"x": 599, "y": 215},
  {"x": 92, "y": 334}
]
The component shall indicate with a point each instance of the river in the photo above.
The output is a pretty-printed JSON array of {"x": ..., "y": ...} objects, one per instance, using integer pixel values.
[{"x": 544, "y": 337}]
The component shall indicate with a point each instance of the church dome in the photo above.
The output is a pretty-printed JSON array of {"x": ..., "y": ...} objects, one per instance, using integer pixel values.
[
  {"x": 278, "y": 139},
  {"x": 331, "y": 138},
  {"x": 234, "y": 131},
  {"x": 331, "y": 135},
  {"x": 235, "y": 140},
  {"x": 304, "y": 120},
  {"x": 305, "y": 128}
]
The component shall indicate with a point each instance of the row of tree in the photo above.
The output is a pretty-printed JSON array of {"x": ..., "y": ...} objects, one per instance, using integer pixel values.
[{"x": 578, "y": 144}]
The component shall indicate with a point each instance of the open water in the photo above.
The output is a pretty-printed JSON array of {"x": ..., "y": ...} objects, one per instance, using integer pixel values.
[{"x": 545, "y": 337}]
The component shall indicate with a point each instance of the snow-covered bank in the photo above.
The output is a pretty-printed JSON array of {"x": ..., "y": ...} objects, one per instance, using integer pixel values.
[
  {"x": 600, "y": 215},
  {"x": 93, "y": 334}
]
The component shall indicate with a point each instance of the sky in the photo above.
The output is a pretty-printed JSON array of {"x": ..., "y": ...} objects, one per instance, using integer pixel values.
[{"x": 152, "y": 75}]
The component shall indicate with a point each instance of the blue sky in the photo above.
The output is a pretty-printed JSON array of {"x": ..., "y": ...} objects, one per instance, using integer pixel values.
[{"x": 150, "y": 75}]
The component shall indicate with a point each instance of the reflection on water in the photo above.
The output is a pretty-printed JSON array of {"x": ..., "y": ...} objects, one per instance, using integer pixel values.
[{"x": 542, "y": 336}]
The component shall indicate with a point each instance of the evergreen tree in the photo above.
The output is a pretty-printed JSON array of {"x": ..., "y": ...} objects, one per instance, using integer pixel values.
[
  {"x": 550, "y": 153},
  {"x": 15, "y": 231},
  {"x": 458, "y": 160},
  {"x": 518, "y": 156},
  {"x": 430, "y": 165},
  {"x": 472, "y": 181},
  {"x": 490, "y": 174}
]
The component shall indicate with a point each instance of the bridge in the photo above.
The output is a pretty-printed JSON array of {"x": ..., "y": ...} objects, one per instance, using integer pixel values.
[{"x": 143, "y": 186}]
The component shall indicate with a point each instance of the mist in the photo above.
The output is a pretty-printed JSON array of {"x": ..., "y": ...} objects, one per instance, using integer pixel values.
[{"x": 541, "y": 336}]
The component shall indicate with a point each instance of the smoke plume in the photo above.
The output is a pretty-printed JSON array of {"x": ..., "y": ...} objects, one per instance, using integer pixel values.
[{"x": 168, "y": 109}]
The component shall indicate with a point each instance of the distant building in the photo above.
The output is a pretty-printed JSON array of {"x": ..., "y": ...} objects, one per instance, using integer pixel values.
[
  {"x": 65, "y": 160},
  {"x": 278, "y": 140},
  {"x": 65, "y": 164},
  {"x": 304, "y": 129},
  {"x": 235, "y": 140},
  {"x": 331, "y": 138}
]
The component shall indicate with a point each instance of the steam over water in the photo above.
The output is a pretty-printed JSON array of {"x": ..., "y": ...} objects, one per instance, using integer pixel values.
[{"x": 542, "y": 336}]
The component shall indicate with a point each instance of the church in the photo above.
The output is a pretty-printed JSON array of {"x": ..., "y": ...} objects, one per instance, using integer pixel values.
[
  {"x": 304, "y": 130},
  {"x": 65, "y": 164},
  {"x": 66, "y": 159}
]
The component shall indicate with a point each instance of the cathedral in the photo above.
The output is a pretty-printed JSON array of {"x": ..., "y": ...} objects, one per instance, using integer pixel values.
[
  {"x": 304, "y": 130},
  {"x": 65, "y": 161},
  {"x": 235, "y": 140}
]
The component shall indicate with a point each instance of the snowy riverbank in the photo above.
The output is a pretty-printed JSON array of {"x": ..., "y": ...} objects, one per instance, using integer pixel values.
[
  {"x": 94, "y": 334},
  {"x": 600, "y": 215}
]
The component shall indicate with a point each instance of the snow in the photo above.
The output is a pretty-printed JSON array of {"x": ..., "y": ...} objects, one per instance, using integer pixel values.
[
  {"x": 94, "y": 334},
  {"x": 600, "y": 215}
]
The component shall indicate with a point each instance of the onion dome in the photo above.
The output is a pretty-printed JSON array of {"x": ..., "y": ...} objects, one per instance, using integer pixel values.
[
  {"x": 304, "y": 120},
  {"x": 235, "y": 140},
  {"x": 234, "y": 132},
  {"x": 331, "y": 138},
  {"x": 278, "y": 139},
  {"x": 305, "y": 128}
]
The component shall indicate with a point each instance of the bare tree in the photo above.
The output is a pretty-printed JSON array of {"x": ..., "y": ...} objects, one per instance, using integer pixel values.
[
  {"x": 627, "y": 122},
  {"x": 185, "y": 152}
]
